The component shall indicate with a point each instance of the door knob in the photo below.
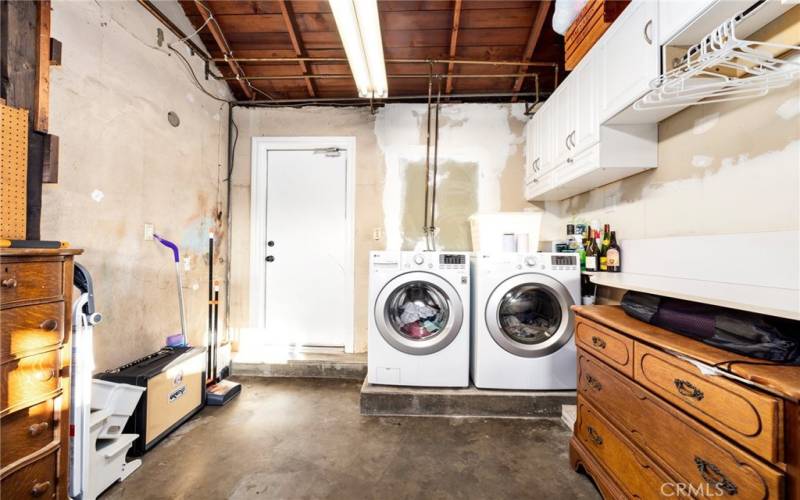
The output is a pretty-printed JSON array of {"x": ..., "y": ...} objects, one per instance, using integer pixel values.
[{"x": 270, "y": 258}]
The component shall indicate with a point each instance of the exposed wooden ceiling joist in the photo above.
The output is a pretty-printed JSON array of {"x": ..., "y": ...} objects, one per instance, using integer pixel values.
[
  {"x": 297, "y": 44},
  {"x": 533, "y": 39},
  {"x": 453, "y": 44},
  {"x": 206, "y": 13},
  {"x": 481, "y": 30}
]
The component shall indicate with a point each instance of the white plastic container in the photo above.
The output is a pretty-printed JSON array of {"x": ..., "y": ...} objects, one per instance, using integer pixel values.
[
  {"x": 491, "y": 230},
  {"x": 120, "y": 399}
]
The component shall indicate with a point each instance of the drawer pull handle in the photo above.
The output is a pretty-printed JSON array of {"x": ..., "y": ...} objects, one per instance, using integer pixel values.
[
  {"x": 40, "y": 489},
  {"x": 688, "y": 389},
  {"x": 46, "y": 375},
  {"x": 593, "y": 383},
  {"x": 9, "y": 283},
  {"x": 49, "y": 325},
  {"x": 598, "y": 342},
  {"x": 713, "y": 476},
  {"x": 594, "y": 436},
  {"x": 36, "y": 429},
  {"x": 648, "y": 28}
]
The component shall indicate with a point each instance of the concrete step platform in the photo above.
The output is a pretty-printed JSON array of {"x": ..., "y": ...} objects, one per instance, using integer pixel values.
[
  {"x": 381, "y": 400},
  {"x": 349, "y": 367}
]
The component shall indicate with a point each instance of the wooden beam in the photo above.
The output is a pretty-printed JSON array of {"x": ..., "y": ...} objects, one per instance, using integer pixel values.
[
  {"x": 533, "y": 39},
  {"x": 42, "y": 105},
  {"x": 219, "y": 38},
  {"x": 297, "y": 44},
  {"x": 453, "y": 44}
]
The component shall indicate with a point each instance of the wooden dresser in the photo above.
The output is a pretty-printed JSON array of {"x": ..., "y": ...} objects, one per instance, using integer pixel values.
[
  {"x": 35, "y": 326},
  {"x": 652, "y": 424}
]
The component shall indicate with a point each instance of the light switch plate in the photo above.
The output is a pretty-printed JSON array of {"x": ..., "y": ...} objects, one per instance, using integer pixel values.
[{"x": 148, "y": 232}]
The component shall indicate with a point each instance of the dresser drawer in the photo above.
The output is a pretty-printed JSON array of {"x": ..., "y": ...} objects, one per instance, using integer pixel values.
[
  {"x": 634, "y": 473},
  {"x": 37, "y": 480},
  {"x": 611, "y": 347},
  {"x": 26, "y": 431},
  {"x": 29, "y": 329},
  {"x": 682, "y": 447},
  {"x": 36, "y": 280},
  {"x": 750, "y": 418},
  {"x": 28, "y": 379}
]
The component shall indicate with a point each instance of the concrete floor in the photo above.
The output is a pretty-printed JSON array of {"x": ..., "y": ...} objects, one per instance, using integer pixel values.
[{"x": 305, "y": 438}]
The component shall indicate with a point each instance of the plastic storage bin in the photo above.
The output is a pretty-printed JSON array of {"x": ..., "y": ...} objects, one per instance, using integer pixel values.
[{"x": 505, "y": 232}]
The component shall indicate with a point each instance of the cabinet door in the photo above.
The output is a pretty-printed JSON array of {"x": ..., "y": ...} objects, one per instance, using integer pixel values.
[
  {"x": 630, "y": 57},
  {"x": 587, "y": 121},
  {"x": 565, "y": 119},
  {"x": 547, "y": 137},
  {"x": 674, "y": 15},
  {"x": 534, "y": 147}
]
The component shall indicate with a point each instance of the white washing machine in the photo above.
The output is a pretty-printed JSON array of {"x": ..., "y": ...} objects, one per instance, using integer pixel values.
[
  {"x": 522, "y": 324},
  {"x": 419, "y": 314}
]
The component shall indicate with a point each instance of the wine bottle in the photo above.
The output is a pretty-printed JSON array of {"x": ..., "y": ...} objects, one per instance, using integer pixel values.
[
  {"x": 614, "y": 255},
  {"x": 604, "y": 247},
  {"x": 591, "y": 252}
]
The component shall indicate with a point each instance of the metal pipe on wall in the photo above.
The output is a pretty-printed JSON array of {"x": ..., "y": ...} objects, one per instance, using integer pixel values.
[
  {"x": 365, "y": 100},
  {"x": 409, "y": 75}
]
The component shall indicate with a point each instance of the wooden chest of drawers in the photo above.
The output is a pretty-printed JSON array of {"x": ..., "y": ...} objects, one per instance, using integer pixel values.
[
  {"x": 653, "y": 422},
  {"x": 35, "y": 325}
]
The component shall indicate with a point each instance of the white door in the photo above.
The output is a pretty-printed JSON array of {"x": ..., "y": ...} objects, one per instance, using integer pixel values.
[{"x": 307, "y": 244}]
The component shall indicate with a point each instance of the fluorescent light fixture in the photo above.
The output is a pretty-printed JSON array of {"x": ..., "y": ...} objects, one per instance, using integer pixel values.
[{"x": 360, "y": 30}]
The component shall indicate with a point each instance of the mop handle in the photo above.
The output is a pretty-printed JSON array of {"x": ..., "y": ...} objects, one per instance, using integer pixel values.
[
  {"x": 175, "y": 253},
  {"x": 169, "y": 245}
]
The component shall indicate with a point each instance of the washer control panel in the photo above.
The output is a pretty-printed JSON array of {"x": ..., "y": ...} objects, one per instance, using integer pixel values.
[
  {"x": 563, "y": 262},
  {"x": 452, "y": 261}
]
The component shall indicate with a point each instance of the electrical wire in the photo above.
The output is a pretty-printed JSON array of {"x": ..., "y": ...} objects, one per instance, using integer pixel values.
[{"x": 196, "y": 81}]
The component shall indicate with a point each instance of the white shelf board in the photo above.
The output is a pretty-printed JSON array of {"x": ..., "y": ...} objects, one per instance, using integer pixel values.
[{"x": 781, "y": 302}]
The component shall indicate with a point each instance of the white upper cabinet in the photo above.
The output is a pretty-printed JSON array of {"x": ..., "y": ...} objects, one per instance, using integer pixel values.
[
  {"x": 674, "y": 15},
  {"x": 586, "y": 129},
  {"x": 630, "y": 57}
]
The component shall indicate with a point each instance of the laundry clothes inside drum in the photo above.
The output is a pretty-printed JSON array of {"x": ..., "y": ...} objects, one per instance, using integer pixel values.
[
  {"x": 529, "y": 314},
  {"x": 418, "y": 310}
]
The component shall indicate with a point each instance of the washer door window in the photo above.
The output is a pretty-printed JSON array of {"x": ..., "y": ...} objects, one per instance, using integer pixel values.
[
  {"x": 419, "y": 313},
  {"x": 528, "y": 315}
]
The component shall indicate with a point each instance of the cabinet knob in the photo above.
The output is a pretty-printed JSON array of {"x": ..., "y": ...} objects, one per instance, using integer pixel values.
[
  {"x": 594, "y": 436},
  {"x": 598, "y": 342},
  {"x": 49, "y": 325},
  {"x": 40, "y": 489},
  {"x": 36, "y": 429},
  {"x": 46, "y": 375},
  {"x": 9, "y": 283}
]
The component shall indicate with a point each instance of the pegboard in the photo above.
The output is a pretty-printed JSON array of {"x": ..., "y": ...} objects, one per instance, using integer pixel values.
[{"x": 13, "y": 171}]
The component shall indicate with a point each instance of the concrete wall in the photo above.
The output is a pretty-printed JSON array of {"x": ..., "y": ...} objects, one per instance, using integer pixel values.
[
  {"x": 481, "y": 159},
  {"x": 123, "y": 165},
  {"x": 724, "y": 168}
]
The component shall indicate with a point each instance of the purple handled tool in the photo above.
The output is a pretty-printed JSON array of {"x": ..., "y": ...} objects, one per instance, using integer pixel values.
[{"x": 172, "y": 246}]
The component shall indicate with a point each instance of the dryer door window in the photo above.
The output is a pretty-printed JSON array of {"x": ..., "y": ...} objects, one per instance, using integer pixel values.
[
  {"x": 529, "y": 315},
  {"x": 419, "y": 313}
]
